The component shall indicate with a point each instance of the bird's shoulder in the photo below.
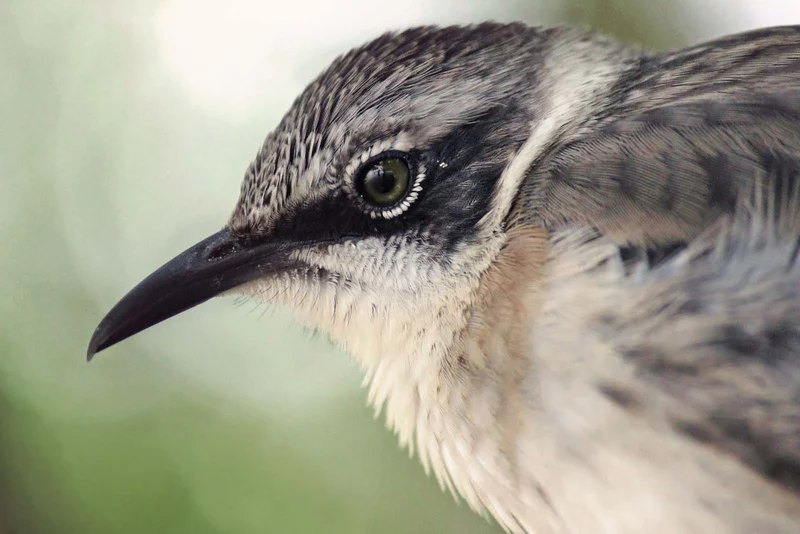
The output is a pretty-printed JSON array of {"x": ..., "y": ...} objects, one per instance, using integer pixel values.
[{"x": 677, "y": 140}]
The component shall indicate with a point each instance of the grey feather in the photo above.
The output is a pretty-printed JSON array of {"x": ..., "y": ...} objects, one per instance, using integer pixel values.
[
  {"x": 716, "y": 330},
  {"x": 686, "y": 132},
  {"x": 702, "y": 347}
]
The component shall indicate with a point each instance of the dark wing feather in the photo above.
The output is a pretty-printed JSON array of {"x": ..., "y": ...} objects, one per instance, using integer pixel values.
[
  {"x": 713, "y": 324},
  {"x": 715, "y": 329},
  {"x": 689, "y": 132}
]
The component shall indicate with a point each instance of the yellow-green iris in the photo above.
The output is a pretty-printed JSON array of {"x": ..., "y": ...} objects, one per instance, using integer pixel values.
[{"x": 386, "y": 181}]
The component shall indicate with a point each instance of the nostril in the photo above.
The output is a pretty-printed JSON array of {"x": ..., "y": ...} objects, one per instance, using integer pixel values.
[{"x": 222, "y": 250}]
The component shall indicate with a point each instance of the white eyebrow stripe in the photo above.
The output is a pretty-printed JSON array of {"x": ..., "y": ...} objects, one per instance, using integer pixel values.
[{"x": 573, "y": 83}]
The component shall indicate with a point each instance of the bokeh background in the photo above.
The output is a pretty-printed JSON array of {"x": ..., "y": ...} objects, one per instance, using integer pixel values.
[{"x": 125, "y": 128}]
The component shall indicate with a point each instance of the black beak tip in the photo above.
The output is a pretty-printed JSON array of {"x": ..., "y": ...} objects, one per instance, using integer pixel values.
[
  {"x": 214, "y": 265},
  {"x": 102, "y": 338},
  {"x": 96, "y": 344}
]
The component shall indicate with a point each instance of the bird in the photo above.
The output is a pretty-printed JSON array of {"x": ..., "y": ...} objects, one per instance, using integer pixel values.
[{"x": 569, "y": 267}]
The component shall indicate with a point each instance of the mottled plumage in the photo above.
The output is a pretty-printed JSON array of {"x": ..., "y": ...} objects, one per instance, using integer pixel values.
[{"x": 583, "y": 313}]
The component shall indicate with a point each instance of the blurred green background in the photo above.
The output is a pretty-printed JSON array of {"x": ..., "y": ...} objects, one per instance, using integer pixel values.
[{"x": 126, "y": 128}]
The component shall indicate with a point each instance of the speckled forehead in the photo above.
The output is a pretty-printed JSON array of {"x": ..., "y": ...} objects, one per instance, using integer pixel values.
[
  {"x": 285, "y": 168},
  {"x": 271, "y": 184},
  {"x": 399, "y": 91}
]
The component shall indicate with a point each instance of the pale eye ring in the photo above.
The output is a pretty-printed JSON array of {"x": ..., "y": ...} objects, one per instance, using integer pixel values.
[{"x": 385, "y": 180}]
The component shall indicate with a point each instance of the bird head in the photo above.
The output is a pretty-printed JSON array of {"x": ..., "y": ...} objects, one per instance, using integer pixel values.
[{"x": 384, "y": 194}]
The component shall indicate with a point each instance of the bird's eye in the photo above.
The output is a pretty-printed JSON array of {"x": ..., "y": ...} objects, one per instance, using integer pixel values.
[{"x": 384, "y": 182}]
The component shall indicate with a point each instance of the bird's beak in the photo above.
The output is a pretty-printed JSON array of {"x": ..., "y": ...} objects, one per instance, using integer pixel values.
[{"x": 214, "y": 265}]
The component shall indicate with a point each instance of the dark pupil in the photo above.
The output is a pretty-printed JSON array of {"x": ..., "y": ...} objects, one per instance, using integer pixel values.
[
  {"x": 380, "y": 180},
  {"x": 386, "y": 182}
]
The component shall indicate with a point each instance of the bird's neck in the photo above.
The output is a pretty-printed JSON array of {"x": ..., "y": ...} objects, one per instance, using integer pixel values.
[{"x": 452, "y": 377}]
